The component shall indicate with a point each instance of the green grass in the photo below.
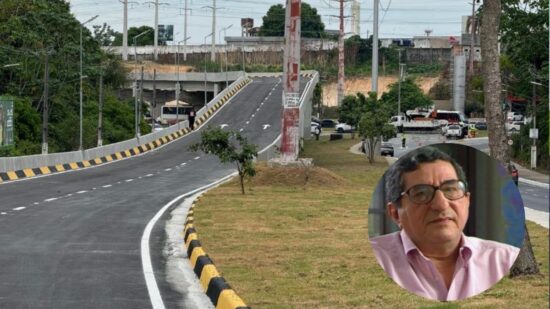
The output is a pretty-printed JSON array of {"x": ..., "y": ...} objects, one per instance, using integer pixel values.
[{"x": 292, "y": 244}]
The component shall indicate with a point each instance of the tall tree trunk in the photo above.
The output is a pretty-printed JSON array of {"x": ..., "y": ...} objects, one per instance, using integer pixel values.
[{"x": 526, "y": 262}]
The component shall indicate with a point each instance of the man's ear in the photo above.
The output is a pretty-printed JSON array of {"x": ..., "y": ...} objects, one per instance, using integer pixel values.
[{"x": 393, "y": 213}]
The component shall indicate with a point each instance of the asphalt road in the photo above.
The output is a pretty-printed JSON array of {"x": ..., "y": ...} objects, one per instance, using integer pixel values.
[{"x": 72, "y": 240}]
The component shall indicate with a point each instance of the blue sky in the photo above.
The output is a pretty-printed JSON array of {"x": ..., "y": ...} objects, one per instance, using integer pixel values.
[{"x": 398, "y": 18}]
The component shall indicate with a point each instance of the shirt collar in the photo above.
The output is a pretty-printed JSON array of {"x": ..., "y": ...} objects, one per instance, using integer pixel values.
[{"x": 467, "y": 246}]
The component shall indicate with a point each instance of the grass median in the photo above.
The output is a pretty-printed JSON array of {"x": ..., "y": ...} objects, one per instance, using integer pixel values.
[{"x": 298, "y": 239}]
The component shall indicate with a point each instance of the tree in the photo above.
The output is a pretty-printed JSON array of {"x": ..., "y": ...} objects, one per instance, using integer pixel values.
[
  {"x": 373, "y": 124},
  {"x": 351, "y": 110},
  {"x": 274, "y": 22},
  {"x": 104, "y": 34},
  {"x": 221, "y": 143},
  {"x": 411, "y": 96},
  {"x": 146, "y": 39},
  {"x": 525, "y": 263}
]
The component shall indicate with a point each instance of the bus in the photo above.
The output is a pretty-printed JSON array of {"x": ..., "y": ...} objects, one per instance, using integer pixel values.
[{"x": 170, "y": 113}]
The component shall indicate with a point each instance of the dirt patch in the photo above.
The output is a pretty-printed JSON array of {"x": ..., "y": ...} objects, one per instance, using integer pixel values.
[
  {"x": 149, "y": 66},
  {"x": 295, "y": 176},
  {"x": 363, "y": 85}
]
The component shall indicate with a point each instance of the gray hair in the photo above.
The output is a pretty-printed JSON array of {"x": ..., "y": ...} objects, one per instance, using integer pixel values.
[{"x": 411, "y": 162}]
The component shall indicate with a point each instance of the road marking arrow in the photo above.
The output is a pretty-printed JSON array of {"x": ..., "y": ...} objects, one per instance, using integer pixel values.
[
  {"x": 266, "y": 126},
  {"x": 224, "y": 125}
]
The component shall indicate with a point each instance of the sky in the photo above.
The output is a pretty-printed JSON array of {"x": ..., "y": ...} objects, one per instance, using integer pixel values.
[{"x": 397, "y": 18}]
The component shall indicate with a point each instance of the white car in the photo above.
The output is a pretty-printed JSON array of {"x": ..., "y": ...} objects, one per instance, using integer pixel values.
[
  {"x": 343, "y": 128},
  {"x": 453, "y": 131},
  {"x": 315, "y": 128},
  {"x": 157, "y": 127}
]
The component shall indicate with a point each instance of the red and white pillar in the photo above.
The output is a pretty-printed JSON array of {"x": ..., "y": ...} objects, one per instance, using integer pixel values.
[{"x": 291, "y": 83}]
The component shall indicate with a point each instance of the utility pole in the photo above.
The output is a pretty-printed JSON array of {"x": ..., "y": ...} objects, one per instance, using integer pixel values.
[
  {"x": 156, "y": 4},
  {"x": 341, "y": 54},
  {"x": 185, "y": 33},
  {"x": 213, "y": 48},
  {"x": 374, "y": 69},
  {"x": 100, "y": 115},
  {"x": 399, "y": 88},
  {"x": 45, "y": 106},
  {"x": 341, "y": 61},
  {"x": 472, "y": 38},
  {"x": 125, "y": 32},
  {"x": 138, "y": 119},
  {"x": 291, "y": 82},
  {"x": 154, "y": 103}
]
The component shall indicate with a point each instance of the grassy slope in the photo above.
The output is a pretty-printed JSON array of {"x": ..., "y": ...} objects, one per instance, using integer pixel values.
[{"x": 289, "y": 245}]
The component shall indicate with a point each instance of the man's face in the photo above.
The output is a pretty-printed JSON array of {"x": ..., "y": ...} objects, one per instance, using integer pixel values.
[{"x": 439, "y": 221}]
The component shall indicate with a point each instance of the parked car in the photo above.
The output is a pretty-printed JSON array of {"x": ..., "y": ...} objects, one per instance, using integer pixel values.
[
  {"x": 328, "y": 123},
  {"x": 157, "y": 127},
  {"x": 315, "y": 128},
  {"x": 315, "y": 119},
  {"x": 386, "y": 149},
  {"x": 513, "y": 171},
  {"x": 514, "y": 126},
  {"x": 481, "y": 126},
  {"x": 343, "y": 128},
  {"x": 453, "y": 131},
  {"x": 514, "y": 116}
]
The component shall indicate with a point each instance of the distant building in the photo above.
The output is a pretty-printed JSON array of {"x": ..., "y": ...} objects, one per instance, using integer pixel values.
[
  {"x": 431, "y": 42},
  {"x": 399, "y": 42}
]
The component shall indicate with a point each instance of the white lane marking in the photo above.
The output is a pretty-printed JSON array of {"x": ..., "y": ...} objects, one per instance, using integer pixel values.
[
  {"x": 129, "y": 180},
  {"x": 167, "y": 169},
  {"x": 258, "y": 109},
  {"x": 253, "y": 115},
  {"x": 107, "y": 186},
  {"x": 183, "y": 164},
  {"x": 196, "y": 158},
  {"x": 241, "y": 129},
  {"x": 80, "y": 192},
  {"x": 50, "y": 199},
  {"x": 68, "y": 195},
  {"x": 148, "y": 272},
  {"x": 36, "y": 203},
  {"x": 223, "y": 125},
  {"x": 266, "y": 126},
  {"x": 19, "y": 208},
  {"x": 3, "y": 213},
  {"x": 149, "y": 175},
  {"x": 247, "y": 122}
]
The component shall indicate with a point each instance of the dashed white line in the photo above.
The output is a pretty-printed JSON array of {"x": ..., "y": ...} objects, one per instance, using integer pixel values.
[
  {"x": 80, "y": 192},
  {"x": 3, "y": 213},
  {"x": 196, "y": 158},
  {"x": 19, "y": 208},
  {"x": 35, "y": 203},
  {"x": 148, "y": 175},
  {"x": 183, "y": 164},
  {"x": 242, "y": 129},
  {"x": 50, "y": 199},
  {"x": 247, "y": 122},
  {"x": 167, "y": 169},
  {"x": 129, "y": 180},
  {"x": 106, "y": 186}
]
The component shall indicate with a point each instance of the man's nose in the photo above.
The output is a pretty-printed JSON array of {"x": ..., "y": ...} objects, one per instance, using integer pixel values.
[{"x": 439, "y": 202}]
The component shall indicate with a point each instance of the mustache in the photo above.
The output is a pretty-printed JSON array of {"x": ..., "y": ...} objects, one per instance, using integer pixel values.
[{"x": 442, "y": 217}]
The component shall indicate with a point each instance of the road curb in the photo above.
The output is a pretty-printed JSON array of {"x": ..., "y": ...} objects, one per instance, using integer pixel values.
[
  {"x": 216, "y": 288},
  {"x": 52, "y": 169},
  {"x": 534, "y": 183}
]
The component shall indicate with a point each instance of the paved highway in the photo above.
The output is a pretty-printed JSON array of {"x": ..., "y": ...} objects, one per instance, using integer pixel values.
[{"x": 72, "y": 240}]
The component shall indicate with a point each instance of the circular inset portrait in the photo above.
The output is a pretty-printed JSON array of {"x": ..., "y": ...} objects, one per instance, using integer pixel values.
[{"x": 446, "y": 222}]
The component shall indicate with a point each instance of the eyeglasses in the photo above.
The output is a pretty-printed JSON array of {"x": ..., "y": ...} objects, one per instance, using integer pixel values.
[{"x": 422, "y": 194}]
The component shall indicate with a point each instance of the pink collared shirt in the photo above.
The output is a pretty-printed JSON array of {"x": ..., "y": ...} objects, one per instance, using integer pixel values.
[{"x": 480, "y": 264}]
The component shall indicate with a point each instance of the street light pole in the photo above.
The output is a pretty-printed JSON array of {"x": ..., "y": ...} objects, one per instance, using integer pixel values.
[
  {"x": 81, "y": 26},
  {"x": 221, "y": 66},
  {"x": 533, "y": 134},
  {"x": 206, "y": 37},
  {"x": 135, "y": 83},
  {"x": 178, "y": 79}
]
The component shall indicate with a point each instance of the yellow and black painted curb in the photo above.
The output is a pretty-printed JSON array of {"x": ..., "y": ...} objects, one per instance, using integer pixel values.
[
  {"x": 45, "y": 170},
  {"x": 217, "y": 289}
]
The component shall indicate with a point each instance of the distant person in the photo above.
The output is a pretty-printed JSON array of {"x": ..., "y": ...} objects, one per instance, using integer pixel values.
[
  {"x": 191, "y": 118},
  {"x": 430, "y": 256}
]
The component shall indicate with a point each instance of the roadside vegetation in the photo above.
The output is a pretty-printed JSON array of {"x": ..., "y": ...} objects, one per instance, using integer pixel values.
[{"x": 289, "y": 243}]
